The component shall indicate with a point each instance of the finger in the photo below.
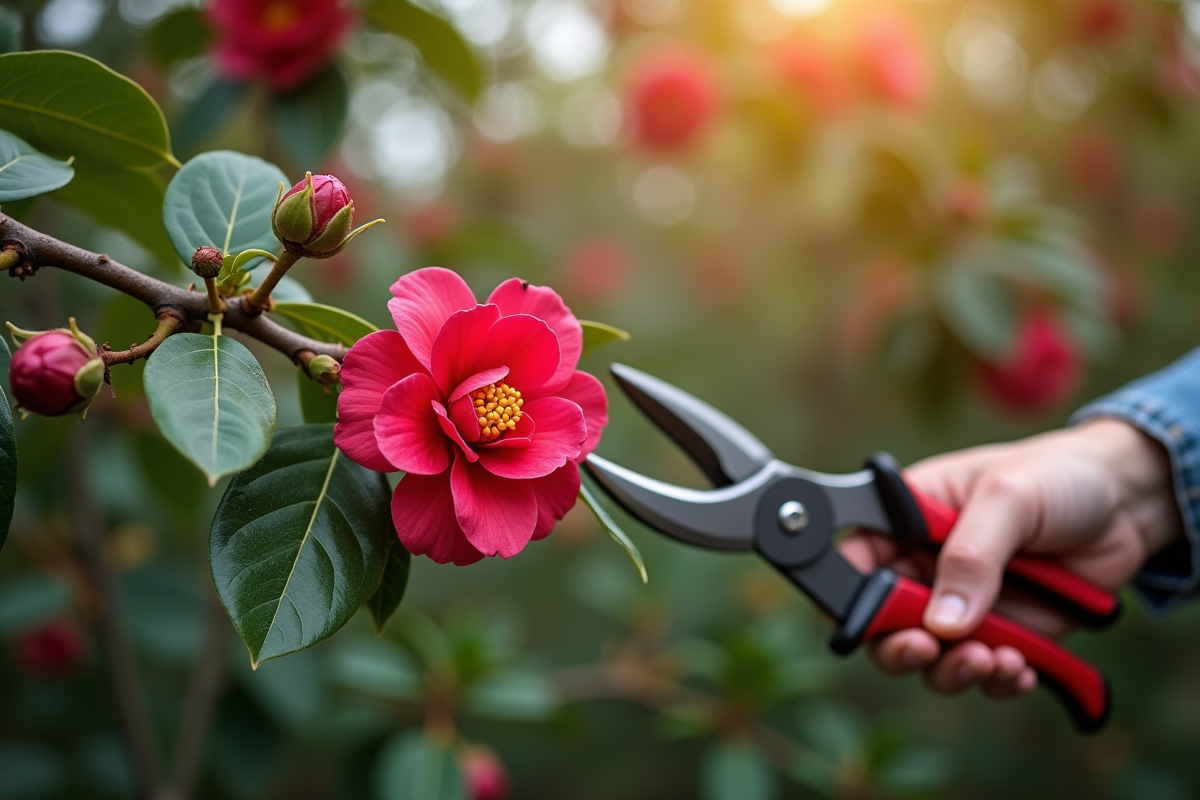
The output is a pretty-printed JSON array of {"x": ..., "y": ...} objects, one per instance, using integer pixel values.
[
  {"x": 868, "y": 551},
  {"x": 963, "y": 666},
  {"x": 999, "y": 515},
  {"x": 904, "y": 652},
  {"x": 1005, "y": 681}
]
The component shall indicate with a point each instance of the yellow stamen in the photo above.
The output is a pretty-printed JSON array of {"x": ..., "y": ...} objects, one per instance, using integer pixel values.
[
  {"x": 279, "y": 15},
  {"x": 498, "y": 409}
]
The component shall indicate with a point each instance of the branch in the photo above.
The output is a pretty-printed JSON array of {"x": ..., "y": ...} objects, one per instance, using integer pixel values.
[
  {"x": 169, "y": 321},
  {"x": 36, "y": 250}
]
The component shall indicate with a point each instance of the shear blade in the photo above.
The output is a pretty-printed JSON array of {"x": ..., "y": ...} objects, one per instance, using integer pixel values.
[{"x": 725, "y": 451}]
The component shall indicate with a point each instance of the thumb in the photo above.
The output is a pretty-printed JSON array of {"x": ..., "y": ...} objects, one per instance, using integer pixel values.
[{"x": 998, "y": 517}]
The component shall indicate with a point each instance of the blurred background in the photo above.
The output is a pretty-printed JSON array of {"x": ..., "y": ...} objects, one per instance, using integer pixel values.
[{"x": 851, "y": 224}]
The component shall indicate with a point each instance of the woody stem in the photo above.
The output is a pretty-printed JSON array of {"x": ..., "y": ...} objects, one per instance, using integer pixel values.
[
  {"x": 168, "y": 323},
  {"x": 261, "y": 298}
]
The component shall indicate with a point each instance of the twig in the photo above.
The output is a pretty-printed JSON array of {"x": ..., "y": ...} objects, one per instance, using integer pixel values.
[
  {"x": 260, "y": 299},
  {"x": 169, "y": 322},
  {"x": 216, "y": 304},
  {"x": 122, "y": 668}
]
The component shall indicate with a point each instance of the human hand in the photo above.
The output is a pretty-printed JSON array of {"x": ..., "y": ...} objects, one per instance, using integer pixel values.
[{"x": 1098, "y": 498}]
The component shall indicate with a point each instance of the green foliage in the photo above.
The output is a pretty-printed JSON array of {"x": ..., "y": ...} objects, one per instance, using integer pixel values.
[
  {"x": 29, "y": 770},
  {"x": 309, "y": 120},
  {"x": 439, "y": 43},
  {"x": 211, "y": 401},
  {"x": 208, "y": 114},
  {"x": 392, "y": 585},
  {"x": 614, "y": 530},
  {"x": 30, "y": 599},
  {"x": 71, "y": 105},
  {"x": 222, "y": 199},
  {"x": 736, "y": 772},
  {"x": 324, "y": 323},
  {"x": 127, "y": 200},
  {"x": 597, "y": 334},
  {"x": 317, "y": 403},
  {"x": 25, "y": 173},
  {"x": 182, "y": 34},
  {"x": 299, "y": 543},
  {"x": 8, "y": 467},
  {"x": 412, "y": 766}
]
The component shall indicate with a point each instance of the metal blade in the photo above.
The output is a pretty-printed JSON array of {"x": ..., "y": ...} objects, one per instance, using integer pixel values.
[
  {"x": 723, "y": 449},
  {"x": 721, "y": 519}
]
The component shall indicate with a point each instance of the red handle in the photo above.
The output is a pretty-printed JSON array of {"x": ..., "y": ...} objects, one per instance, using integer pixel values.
[
  {"x": 1080, "y": 686},
  {"x": 1048, "y": 580}
]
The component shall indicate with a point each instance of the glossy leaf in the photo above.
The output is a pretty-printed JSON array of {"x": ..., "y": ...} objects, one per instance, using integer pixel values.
[
  {"x": 736, "y": 772},
  {"x": 5, "y": 357},
  {"x": 324, "y": 323},
  {"x": 211, "y": 401},
  {"x": 387, "y": 597},
  {"x": 222, "y": 199},
  {"x": 212, "y": 110},
  {"x": 411, "y": 766},
  {"x": 70, "y": 105},
  {"x": 298, "y": 542},
  {"x": 443, "y": 49},
  {"x": 25, "y": 173},
  {"x": 309, "y": 120},
  {"x": 316, "y": 404},
  {"x": 614, "y": 530},
  {"x": 8, "y": 467},
  {"x": 184, "y": 33},
  {"x": 127, "y": 200},
  {"x": 597, "y": 334}
]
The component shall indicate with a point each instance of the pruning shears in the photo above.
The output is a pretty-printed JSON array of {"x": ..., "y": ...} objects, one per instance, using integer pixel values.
[{"x": 790, "y": 515}]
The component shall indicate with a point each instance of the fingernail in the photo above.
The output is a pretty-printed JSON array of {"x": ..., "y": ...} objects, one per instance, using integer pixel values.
[
  {"x": 949, "y": 610},
  {"x": 966, "y": 673}
]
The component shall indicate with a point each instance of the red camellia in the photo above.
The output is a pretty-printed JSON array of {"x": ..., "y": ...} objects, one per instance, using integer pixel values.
[
  {"x": 52, "y": 649},
  {"x": 485, "y": 776},
  {"x": 893, "y": 63},
  {"x": 480, "y": 405},
  {"x": 1103, "y": 21},
  {"x": 813, "y": 71},
  {"x": 1041, "y": 370},
  {"x": 281, "y": 41},
  {"x": 673, "y": 95}
]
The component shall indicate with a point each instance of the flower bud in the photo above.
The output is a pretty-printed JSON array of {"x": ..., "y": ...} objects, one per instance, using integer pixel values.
[
  {"x": 485, "y": 775},
  {"x": 207, "y": 261},
  {"x": 325, "y": 369},
  {"x": 55, "y": 372},
  {"x": 314, "y": 218}
]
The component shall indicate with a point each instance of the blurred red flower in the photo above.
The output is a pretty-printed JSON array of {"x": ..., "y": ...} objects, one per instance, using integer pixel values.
[
  {"x": 1102, "y": 21},
  {"x": 893, "y": 63},
  {"x": 1040, "y": 371},
  {"x": 485, "y": 775},
  {"x": 597, "y": 268},
  {"x": 281, "y": 41},
  {"x": 481, "y": 405},
  {"x": 813, "y": 70},
  {"x": 52, "y": 649},
  {"x": 673, "y": 96}
]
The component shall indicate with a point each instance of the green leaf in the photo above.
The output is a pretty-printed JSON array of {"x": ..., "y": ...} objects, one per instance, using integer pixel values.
[
  {"x": 597, "y": 334},
  {"x": 316, "y": 404},
  {"x": 979, "y": 307},
  {"x": 614, "y": 530},
  {"x": 127, "y": 200},
  {"x": 5, "y": 357},
  {"x": 212, "y": 109},
  {"x": 71, "y": 105},
  {"x": 439, "y": 43},
  {"x": 184, "y": 33},
  {"x": 511, "y": 695},
  {"x": 222, "y": 199},
  {"x": 387, "y": 597},
  {"x": 324, "y": 323},
  {"x": 411, "y": 767},
  {"x": 211, "y": 401},
  {"x": 29, "y": 599},
  {"x": 298, "y": 542},
  {"x": 8, "y": 467},
  {"x": 736, "y": 772},
  {"x": 309, "y": 120},
  {"x": 25, "y": 173}
]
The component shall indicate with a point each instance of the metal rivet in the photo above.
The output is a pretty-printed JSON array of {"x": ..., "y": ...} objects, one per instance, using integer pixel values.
[{"x": 793, "y": 517}]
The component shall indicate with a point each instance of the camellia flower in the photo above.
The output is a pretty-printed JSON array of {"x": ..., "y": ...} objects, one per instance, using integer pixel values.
[
  {"x": 282, "y": 41},
  {"x": 892, "y": 62},
  {"x": 52, "y": 649},
  {"x": 1042, "y": 369},
  {"x": 673, "y": 96},
  {"x": 812, "y": 70},
  {"x": 480, "y": 405},
  {"x": 485, "y": 776}
]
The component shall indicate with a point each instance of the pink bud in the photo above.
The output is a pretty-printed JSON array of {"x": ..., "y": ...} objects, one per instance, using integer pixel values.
[
  {"x": 486, "y": 777},
  {"x": 53, "y": 374},
  {"x": 52, "y": 649},
  {"x": 320, "y": 225}
]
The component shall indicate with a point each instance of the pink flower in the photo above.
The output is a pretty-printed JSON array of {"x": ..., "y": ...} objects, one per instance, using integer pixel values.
[
  {"x": 673, "y": 96},
  {"x": 282, "y": 41},
  {"x": 893, "y": 63},
  {"x": 485, "y": 775},
  {"x": 1042, "y": 369},
  {"x": 812, "y": 70},
  {"x": 481, "y": 405}
]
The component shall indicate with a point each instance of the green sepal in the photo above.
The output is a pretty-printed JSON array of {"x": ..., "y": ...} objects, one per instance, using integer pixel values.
[
  {"x": 292, "y": 220},
  {"x": 85, "y": 341},
  {"x": 335, "y": 232},
  {"x": 88, "y": 381}
]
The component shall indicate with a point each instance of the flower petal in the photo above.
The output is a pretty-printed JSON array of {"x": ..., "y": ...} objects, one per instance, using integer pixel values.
[
  {"x": 478, "y": 381},
  {"x": 557, "y": 441},
  {"x": 373, "y": 364},
  {"x": 497, "y": 515},
  {"x": 515, "y": 296},
  {"x": 423, "y": 513},
  {"x": 451, "y": 431},
  {"x": 587, "y": 392},
  {"x": 423, "y": 301},
  {"x": 460, "y": 345},
  {"x": 527, "y": 346},
  {"x": 407, "y": 428},
  {"x": 465, "y": 419},
  {"x": 556, "y": 494}
]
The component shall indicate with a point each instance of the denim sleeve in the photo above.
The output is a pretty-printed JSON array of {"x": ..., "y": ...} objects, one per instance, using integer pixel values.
[{"x": 1166, "y": 405}]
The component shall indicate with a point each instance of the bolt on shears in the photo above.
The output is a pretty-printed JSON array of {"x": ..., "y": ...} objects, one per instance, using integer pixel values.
[{"x": 790, "y": 516}]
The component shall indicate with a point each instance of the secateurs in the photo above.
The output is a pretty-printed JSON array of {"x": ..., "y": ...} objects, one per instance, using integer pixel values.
[{"x": 790, "y": 515}]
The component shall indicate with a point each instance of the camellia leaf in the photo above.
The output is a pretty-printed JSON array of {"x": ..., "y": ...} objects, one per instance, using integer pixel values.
[
  {"x": 222, "y": 199},
  {"x": 71, "y": 105},
  {"x": 8, "y": 468},
  {"x": 125, "y": 199},
  {"x": 440, "y": 44},
  {"x": 324, "y": 323},
  {"x": 5, "y": 357},
  {"x": 979, "y": 307},
  {"x": 614, "y": 530},
  {"x": 736, "y": 772},
  {"x": 597, "y": 334},
  {"x": 387, "y": 597},
  {"x": 299, "y": 542},
  {"x": 211, "y": 401},
  {"x": 25, "y": 173},
  {"x": 208, "y": 113},
  {"x": 411, "y": 766},
  {"x": 184, "y": 33},
  {"x": 309, "y": 120},
  {"x": 316, "y": 404}
]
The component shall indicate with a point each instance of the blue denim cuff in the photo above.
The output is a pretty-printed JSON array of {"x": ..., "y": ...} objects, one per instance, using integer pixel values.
[{"x": 1172, "y": 575}]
